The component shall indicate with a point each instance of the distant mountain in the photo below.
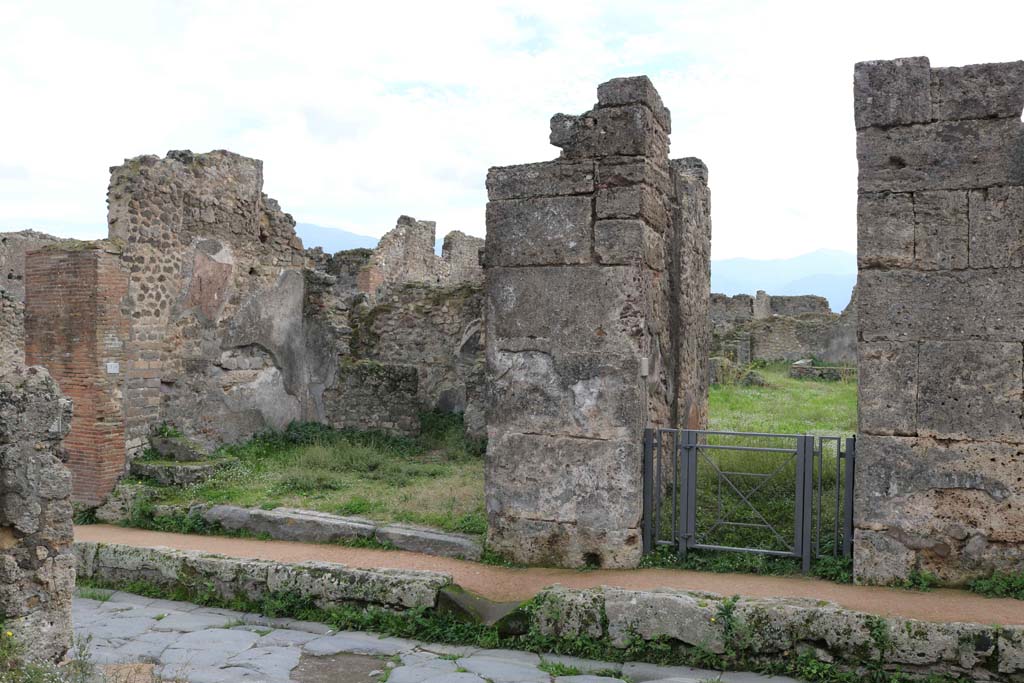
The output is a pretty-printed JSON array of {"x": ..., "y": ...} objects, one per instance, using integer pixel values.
[
  {"x": 826, "y": 272},
  {"x": 332, "y": 239}
]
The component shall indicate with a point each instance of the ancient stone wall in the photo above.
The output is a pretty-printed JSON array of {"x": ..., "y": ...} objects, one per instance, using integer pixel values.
[
  {"x": 12, "y": 330},
  {"x": 13, "y": 247},
  {"x": 798, "y": 305},
  {"x": 37, "y": 567},
  {"x": 588, "y": 261},
  {"x": 941, "y": 319},
  {"x": 76, "y": 328},
  {"x": 405, "y": 255},
  {"x": 369, "y": 395},
  {"x": 728, "y": 312}
]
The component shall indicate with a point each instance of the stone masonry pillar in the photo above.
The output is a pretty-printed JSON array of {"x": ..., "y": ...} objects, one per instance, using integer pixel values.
[
  {"x": 940, "y": 308},
  {"x": 597, "y": 288}
]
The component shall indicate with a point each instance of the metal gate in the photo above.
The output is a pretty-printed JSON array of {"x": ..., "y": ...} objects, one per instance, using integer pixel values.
[{"x": 787, "y": 495}]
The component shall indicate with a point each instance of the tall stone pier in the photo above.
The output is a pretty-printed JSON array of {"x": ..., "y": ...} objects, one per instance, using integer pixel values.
[
  {"x": 597, "y": 286},
  {"x": 940, "y": 475}
]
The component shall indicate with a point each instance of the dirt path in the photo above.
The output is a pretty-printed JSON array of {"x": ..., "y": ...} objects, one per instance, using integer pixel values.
[{"x": 504, "y": 584}]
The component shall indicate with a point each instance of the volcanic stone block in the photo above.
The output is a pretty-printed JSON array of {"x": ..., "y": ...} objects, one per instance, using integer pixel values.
[
  {"x": 946, "y": 155},
  {"x": 630, "y": 130},
  {"x": 940, "y": 230},
  {"x": 970, "y": 390},
  {"x": 952, "y": 504},
  {"x": 885, "y": 237},
  {"x": 997, "y": 227},
  {"x": 622, "y": 171},
  {"x": 901, "y": 305},
  {"x": 540, "y": 231},
  {"x": 634, "y": 90},
  {"x": 622, "y": 241},
  {"x": 979, "y": 91},
  {"x": 635, "y": 201},
  {"x": 891, "y": 93},
  {"x": 546, "y": 179},
  {"x": 887, "y": 387},
  {"x": 593, "y": 308}
]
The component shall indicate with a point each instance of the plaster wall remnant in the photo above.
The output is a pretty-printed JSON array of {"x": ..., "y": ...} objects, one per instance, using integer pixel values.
[
  {"x": 940, "y": 483},
  {"x": 37, "y": 566},
  {"x": 405, "y": 255},
  {"x": 596, "y": 265}
]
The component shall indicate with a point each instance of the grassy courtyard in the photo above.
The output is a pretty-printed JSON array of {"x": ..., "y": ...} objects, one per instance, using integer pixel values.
[{"x": 436, "y": 479}]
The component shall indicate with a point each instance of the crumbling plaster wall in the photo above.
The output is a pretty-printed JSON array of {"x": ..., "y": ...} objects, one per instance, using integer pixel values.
[
  {"x": 940, "y": 471},
  {"x": 37, "y": 567},
  {"x": 593, "y": 264}
]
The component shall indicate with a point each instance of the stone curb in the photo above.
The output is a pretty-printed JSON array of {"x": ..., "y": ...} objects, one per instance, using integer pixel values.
[
  {"x": 308, "y": 526},
  {"x": 328, "y": 584}
]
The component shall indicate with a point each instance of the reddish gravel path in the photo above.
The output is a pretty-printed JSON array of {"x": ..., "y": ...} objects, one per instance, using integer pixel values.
[{"x": 503, "y": 584}]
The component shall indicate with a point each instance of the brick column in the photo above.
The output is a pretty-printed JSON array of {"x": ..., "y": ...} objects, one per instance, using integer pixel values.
[
  {"x": 940, "y": 295},
  {"x": 586, "y": 266},
  {"x": 75, "y": 328}
]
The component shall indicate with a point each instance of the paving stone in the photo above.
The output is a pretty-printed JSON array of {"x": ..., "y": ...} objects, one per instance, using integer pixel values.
[
  {"x": 588, "y": 679},
  {"x": 129, "y": 598},
  {"x": 503, "y": 670},
  {"x": 211, "y": 674},
  {"x": 444, "y": 649},
  {"x": 357, "y": 643},
  {"x": 423, "y": 671},
  {"x": 641, "y": 672},
  {"x": 274, "y": 662},
  {"x": 101, "y": 655},
  {"x": 127, "y": 627},
  {"x": 173, "y": 605},
  {"x": 283, "y": 636},
  {"x": 513, "y": 656},
  {"x": 210, "y": 647},
  {"x": 190, "y": 622},
  {"x": 587, "y": 666},
  {"x": 461, "y": 677},
  {"x": 296, "y": 625},
  {"x": 148, "y": 647}
]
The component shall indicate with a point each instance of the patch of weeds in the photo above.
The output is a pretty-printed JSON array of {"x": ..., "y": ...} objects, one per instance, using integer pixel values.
[
  {"x": 232, "y": 623},
  {"x": 559, "y": 669},
  {"x": 496, "y": 559},
  {"x": 1000, "y": 585},
  {"x": 261, "y": 632},
  {"x": 168, "y": 431},
  {"x": 919, "y": 580},
  {"x": 160, "y": 617},
  {"x": 97, "y": 594},
  {"x": 836, "y": 569},
  {"x": 85, "y": 515}
]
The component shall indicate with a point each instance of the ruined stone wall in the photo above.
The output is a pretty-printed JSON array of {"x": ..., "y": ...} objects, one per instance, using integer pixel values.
[
  {"x": 76, "y": 328},
  {"x": 437, "y": 330},
  {"x": 798, "y": 305},
  {"x": 728, "y": 312},
  {"x": 219, "y": 346},
  {"x": 13, "y": 247},
  {"x": 584, "y": 281},
  {"x": 940, "y": 319},
  {"x": 12, "y": 330},
  {"x": 37, "y": 567},
  {"x": 374, "y": 396},
  {"x": 405, "y": 255}
]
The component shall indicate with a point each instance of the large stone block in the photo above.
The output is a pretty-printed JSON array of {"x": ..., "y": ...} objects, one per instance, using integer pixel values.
[
  {"x": 624, "y": 171},
  {"x": 635, "y": 201},
  {"x": 885, "y": 230},
  {"x": 630, "y": 130},
  {"x": 585, "y": 482},
  {"x": 634, "y": 90},
  {"x": 970, "y": 390},
  {"x": 887, "y": 388},
  {"x": 997, "y": 227},
  {"x": 593, "y": 308},
  {"x": 551, "y": 543},
  {"x": 891, "y": 93},
  {"x": 946, "y": 155},
  {"x": 907, "y": 305},
  {"x": 570, "y": 394},
  {"x": 954, "y": 507},
  {"x": 628, "y": 241},
  {"x": 540, "y": 231},
  {"x": 689, "y": 618},
  {"x": 545, "y": 179},
  {"x": 940, "y": 230},
  {"x": 978, "y": 91}
]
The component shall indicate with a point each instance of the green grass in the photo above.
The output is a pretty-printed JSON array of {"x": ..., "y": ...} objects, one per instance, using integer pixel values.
[
  {"x": 435, "y": 479},
  {"x": 1000, "y": 585}
]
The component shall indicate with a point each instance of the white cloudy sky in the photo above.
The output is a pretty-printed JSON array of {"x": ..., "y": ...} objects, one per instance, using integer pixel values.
[{"x": 364, "y": 111}]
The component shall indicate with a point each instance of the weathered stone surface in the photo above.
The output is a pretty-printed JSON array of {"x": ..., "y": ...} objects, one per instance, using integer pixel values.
[
  {"x": 373, "y": 395},
  {"x": 633, "y": 201},
  {"x": 885, "y": 230},
  {"x": 887, "y": 387},
  {"x": 539, "y": 231},
  {"x": 891, "y": 93},
  {"x": 979, "y": 91},
  {"x": 684, "y": 617},
  {"x": 997, "y": 227},
  {"x": 990, "y": 409},
  {"x": 289, "y": 524},
  {"x": 12, "y": 332},
  {"x": 940, "y": 230},
  {"x": 13, "y": 247},
  {"x": 430, "y": 541},
  {"x": 37, "y": 572},
  {"x": 176, "y": 448},
  {"x": 178, "y": 473},
  {"x": 544, "y": 179},
  {"x": 634, "y": 90},
  {"x": 326, "y": 583},
  {"x": 948, "y": 155},
  {"x": 630, "y": 130},
  {"x": 123, "y": 500}
]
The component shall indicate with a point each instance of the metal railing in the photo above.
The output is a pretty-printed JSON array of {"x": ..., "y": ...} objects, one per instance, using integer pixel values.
[{"x": 786, "y": 495}]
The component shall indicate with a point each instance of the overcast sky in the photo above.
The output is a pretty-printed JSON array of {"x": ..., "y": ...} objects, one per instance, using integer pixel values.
[{"x": 364, "y": 111}]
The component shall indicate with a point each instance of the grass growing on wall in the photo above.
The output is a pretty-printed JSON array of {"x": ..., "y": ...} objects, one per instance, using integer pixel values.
[{"x": 435, "y": 479}]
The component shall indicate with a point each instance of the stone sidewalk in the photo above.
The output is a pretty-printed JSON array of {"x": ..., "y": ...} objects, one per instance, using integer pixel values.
[{"x": 203, "y": 645}]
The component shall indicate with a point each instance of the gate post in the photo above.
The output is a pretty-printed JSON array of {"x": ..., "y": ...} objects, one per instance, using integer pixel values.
[
  {"x": 805, "y": 499},
  {"x": 648, "y": 531},
  {"x": 849, "y": 474}
]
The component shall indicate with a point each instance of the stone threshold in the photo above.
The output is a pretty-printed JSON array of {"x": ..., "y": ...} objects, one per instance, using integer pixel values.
[
  {"x": 759, "y": 629},
  {"x": 309, "y": 526}
]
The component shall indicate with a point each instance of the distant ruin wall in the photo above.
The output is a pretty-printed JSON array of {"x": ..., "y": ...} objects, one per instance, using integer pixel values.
[
  {"x": 940, "y": 319},
  {"x": 586, "y": 284},
  {"x": 77, "y": 329},
  {"x": 37, "y": 567}
]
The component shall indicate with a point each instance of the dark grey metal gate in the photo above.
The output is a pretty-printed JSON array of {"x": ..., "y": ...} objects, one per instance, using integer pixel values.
[{"x": 786, "y": 495}]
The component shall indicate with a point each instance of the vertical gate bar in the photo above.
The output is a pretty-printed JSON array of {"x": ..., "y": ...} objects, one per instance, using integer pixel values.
[
  {"x": 648, "y": 490},
  {"x": 820, "y": 457},
  {"x": 681, "y": 511},
  {"x": 798, "y": 506},
  {"x": 837, "y": 513},
  {"x": 658, "y": 465},
  {"x": 675, "y": 485},
  {"x": 691, "y": 489},
  {"x": 808, "y": 484},
  {"x": 851, "y": 473}
]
